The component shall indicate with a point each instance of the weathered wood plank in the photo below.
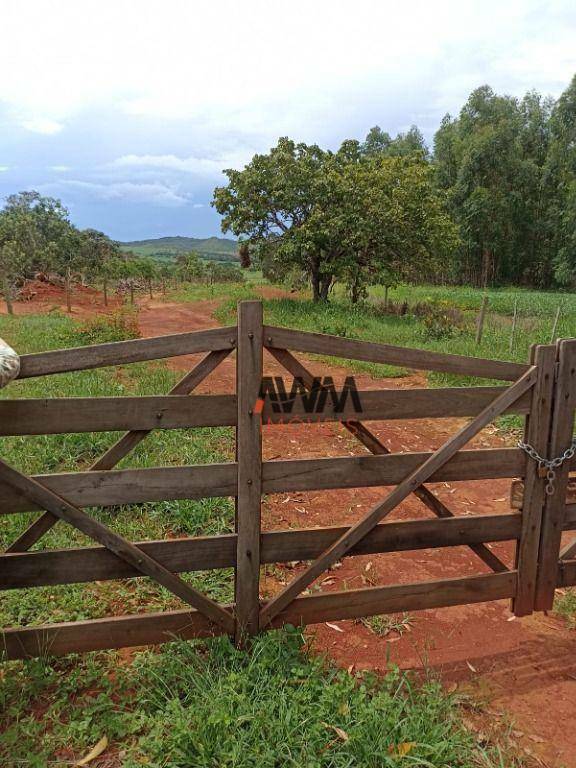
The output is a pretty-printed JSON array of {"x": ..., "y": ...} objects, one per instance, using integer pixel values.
[
  {"x": 71, "y": 566},
  {"x": 249, "y": 362},
  {"x": 394, "y": 404},
  {"x": 135, "y": 486},
  {"x": 405, "y": 357},
  {"x": 126, "y": 631},
  {"x": 123, "y": 352},
  {"x": 100, "y": 414},
  {"x": 555, "y": 506},
  {"x": 111, "y": 414},
  {"x": 566, "y": 576},
  {"x": 404, "y": 489},
  {"x": 124, "y": 549},
  {"x": 121, "y": 448},
  {"x": 536, "y": 433},
  {"x": 130, "y": 486}
]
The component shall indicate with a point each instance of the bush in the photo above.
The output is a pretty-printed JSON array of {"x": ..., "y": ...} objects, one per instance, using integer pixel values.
[
  {"x": 441, "y": 321},
  {"x": 118, "y": 326}
]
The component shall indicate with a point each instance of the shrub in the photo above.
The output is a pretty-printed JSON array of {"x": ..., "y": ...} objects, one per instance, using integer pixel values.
[{"x": 118, "y": 326}]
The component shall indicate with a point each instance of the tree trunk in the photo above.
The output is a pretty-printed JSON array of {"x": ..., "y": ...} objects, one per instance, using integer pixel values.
[
  {"x": 8, "y": 296},
  {"x": 68, "y": 290},
  {"x": 355, "y": 290},
  {"x": 386, "y": 288},
  {"x": 163, "y": 287},
  {"x": 325, "y": 283},
  {"x": 131, "y": 293},
  {"x": 105, "y": 292},
  {"x": 150, "y": 288}
]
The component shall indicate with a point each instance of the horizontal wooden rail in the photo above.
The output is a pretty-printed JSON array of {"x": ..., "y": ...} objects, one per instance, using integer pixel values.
[
  {"x": 93, "y": 414},
  {"x": 566, "y": 573},
  {"x": 405, "y": 357},
  {"x": 146, "y": 629},
  {"x": 123, "y": 352},
  {"x": 394, "y": 404},
  {"x": 134, "y": 486},
  {"x": 72, "y": 566},
  {"x": 112, "y": 414}
]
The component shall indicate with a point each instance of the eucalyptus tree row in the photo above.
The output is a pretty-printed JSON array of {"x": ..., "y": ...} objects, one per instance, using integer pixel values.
[{"x": 494, "y": 203}]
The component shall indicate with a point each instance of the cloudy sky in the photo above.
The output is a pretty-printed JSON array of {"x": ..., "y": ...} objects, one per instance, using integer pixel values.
[{"x": 129, "y": 110}]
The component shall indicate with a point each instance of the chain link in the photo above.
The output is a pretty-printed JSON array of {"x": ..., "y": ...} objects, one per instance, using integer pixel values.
[{"x": 549, "y": 466}]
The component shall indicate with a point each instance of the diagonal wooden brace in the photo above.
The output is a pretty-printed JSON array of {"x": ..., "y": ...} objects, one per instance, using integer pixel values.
[
  {"x": 136, "y": 557},
  {"x": 357, "y": 532},
  {"x": 569, "y": 551},
  {"x": 371, "y": 442},
  {"x": 121, "y": 448}
]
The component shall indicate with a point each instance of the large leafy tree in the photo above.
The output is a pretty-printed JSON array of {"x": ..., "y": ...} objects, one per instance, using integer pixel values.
[
  {"x": 270, "y": 201},
  {"x": 352, "y": 215}
]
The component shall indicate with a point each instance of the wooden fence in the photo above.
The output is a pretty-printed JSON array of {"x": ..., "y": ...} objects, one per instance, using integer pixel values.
[{"x": 543, "y": 391}]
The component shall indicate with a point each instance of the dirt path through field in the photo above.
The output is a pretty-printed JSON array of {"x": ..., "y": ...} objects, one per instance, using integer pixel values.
[{"x": 523, "y": 669}]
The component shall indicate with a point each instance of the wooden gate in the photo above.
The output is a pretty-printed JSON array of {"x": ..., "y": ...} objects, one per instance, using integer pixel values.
[{"x": 529, "y": 581}]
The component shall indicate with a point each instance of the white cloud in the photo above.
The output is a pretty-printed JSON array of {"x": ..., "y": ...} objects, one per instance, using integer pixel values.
[
  {"x": 198, "y": 205},
  {"x": 4, "y": 168},
  {"x": 199, "y": 166},
  {"x": 127, "y": 191},
  {"x": 269, "y": 71},
  {"x": 60, "y": 168},
  {"x": 42, "y": 125}
]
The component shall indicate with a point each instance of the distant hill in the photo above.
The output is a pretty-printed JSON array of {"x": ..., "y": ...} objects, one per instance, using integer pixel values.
[{"x": 213, "y": 248}]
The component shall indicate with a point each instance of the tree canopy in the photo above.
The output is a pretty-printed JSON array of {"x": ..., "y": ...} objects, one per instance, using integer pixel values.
[{"x": 356, "y": 215}]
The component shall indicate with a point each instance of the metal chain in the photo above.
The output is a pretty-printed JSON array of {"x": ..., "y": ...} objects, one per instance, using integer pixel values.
[{"x": 549, "y": 466}]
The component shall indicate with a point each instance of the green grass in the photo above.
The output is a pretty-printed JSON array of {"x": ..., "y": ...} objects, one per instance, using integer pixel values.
[
  {"x": 190, "y": 704},
  {"x": 209, "y": 706},
  {"x": 365, "y": 321},
  {"x": 531, "y": 303},
  {"x": 565, "y": 606},
  {"x": 230, "y": 292}
]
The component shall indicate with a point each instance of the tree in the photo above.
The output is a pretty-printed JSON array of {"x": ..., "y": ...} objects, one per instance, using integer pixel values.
[
  {"x": 491, "y": 163},
  {"x": 148, "y": 269},
  {"x": 13, "y": 265},
  {"x": 388, "y": 220},
  {"x": 189, "y": 266},
  {"x": 244, "y": 253},
  {"x": 99, "y": 254},
  {"x": 68, "y": 257},
  {"x": 270, "y": 200},
  {"x": 37, "y": 225},
  {"x": 560, "y": 185},
  {"x": 349, "y": 215}
]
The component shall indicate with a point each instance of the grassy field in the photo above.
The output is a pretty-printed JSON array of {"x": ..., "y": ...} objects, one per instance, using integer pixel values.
[
  {"x": 530, "y": 303},
  {"x": 369, "y": 321},
  {"x": 191, "y": 704}
]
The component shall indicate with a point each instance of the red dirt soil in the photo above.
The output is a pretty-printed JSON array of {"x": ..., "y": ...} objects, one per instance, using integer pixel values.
[{"x": 521, "y": 670}]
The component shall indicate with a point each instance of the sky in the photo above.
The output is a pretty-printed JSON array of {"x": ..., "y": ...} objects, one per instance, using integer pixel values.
[{"x": 129, "y": 110}]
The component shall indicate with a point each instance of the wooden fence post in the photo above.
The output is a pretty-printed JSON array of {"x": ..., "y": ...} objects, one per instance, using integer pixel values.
[
  {"x": 481, "y": 319},
  {"x": 555, "y": 504},
  {"x": 249, "y": 458},
  {"x": 536, "y": 434}
]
